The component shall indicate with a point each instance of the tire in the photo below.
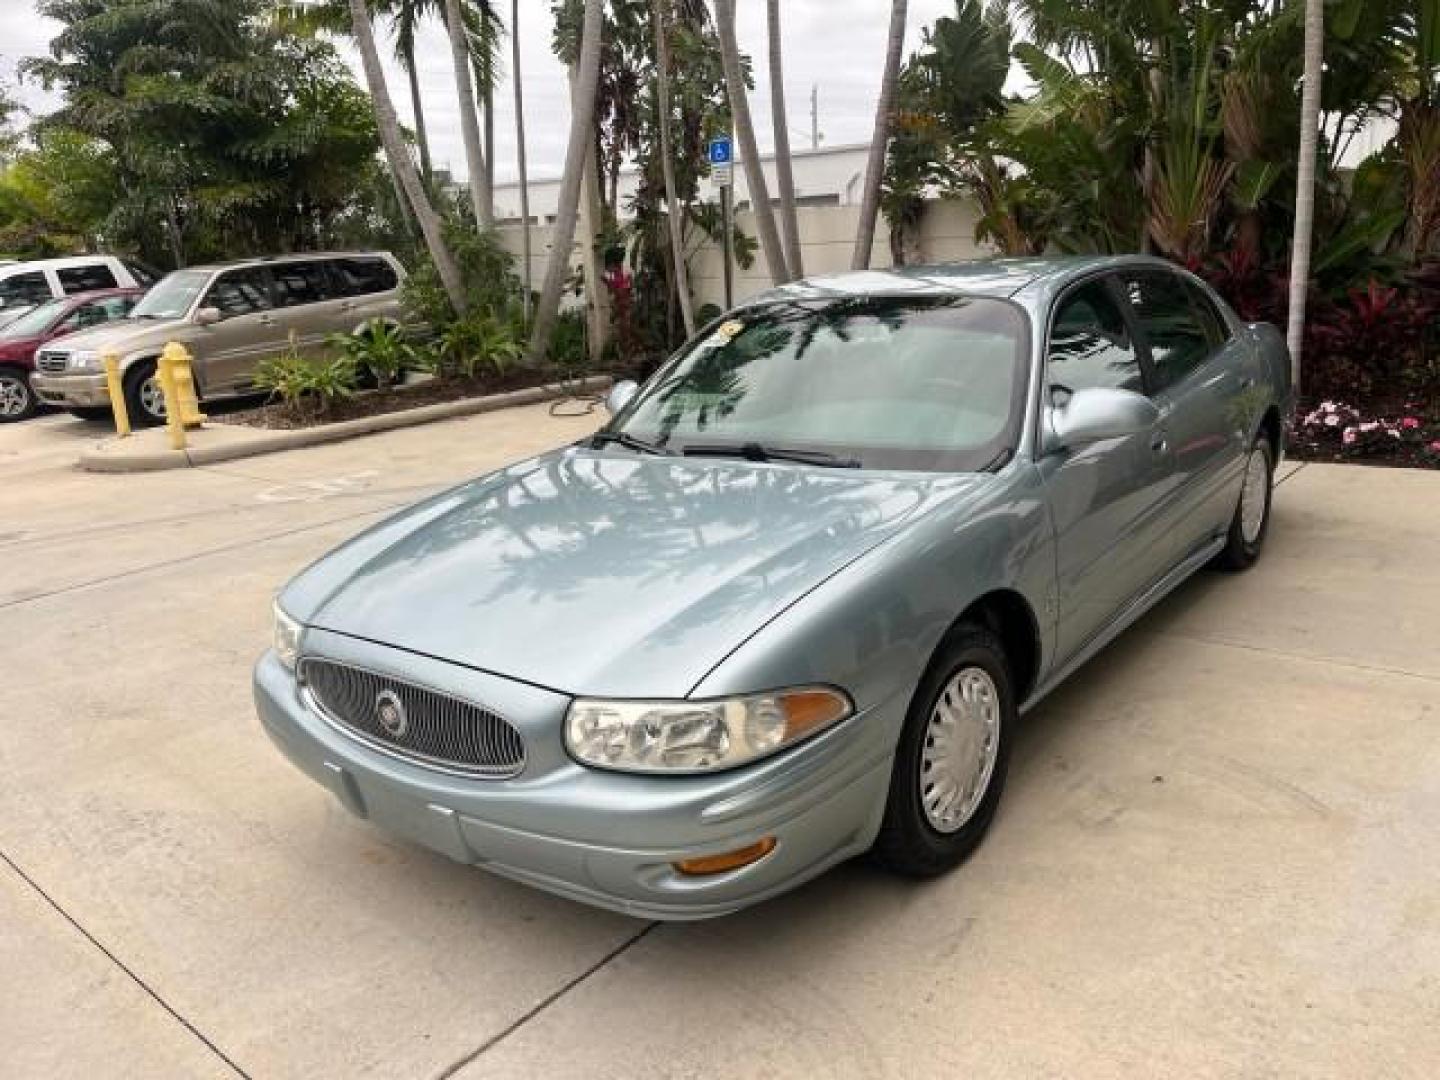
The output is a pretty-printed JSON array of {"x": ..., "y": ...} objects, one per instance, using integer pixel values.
[
  {"x": 87, "y": 412},
  {"x": 917, "y": 841},
  {"x": 143, "y": 399},
  {"x": 17, "y": 399},
  {"x": 1246, "y": 537}
]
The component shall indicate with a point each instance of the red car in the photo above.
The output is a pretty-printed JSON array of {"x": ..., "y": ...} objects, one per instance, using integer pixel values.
[{"x": 56, "y": 318}]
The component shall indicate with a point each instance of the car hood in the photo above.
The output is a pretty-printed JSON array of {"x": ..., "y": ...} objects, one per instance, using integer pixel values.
[
  {"x": 20, "y": 349},
  {"x": 609, "y": 575},
  {"x": 123, "y": 335}
]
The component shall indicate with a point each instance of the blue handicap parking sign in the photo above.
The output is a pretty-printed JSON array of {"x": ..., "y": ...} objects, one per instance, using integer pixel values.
[{"x": 721, "y": 151}]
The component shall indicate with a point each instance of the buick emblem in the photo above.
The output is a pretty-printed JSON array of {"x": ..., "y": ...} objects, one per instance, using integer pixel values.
[{"x": 390, "y": 711}]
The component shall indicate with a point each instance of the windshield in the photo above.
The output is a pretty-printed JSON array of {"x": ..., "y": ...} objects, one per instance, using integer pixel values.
[
  {"x": 882, "y": 382},
  {"x": 35, "y": 321},
  {"x": 172, "y": 297}
]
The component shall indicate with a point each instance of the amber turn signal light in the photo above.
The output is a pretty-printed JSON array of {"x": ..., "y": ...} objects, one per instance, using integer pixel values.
[{"x": 730, "y": 860}]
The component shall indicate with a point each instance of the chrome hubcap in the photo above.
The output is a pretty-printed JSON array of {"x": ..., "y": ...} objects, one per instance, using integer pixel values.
[
  {"x": 1252, "y": 496},
  {"x": 962, "y": 741},
  {"x": 14, "y": 396},
  {"x": 152, "y": 398}
]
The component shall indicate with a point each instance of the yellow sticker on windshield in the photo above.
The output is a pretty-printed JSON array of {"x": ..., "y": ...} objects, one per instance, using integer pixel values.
[{"x": 730, "y": 329}]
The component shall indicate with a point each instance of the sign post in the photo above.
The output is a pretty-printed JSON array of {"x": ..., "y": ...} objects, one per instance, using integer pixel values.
[{"x": 722, "y": 171}]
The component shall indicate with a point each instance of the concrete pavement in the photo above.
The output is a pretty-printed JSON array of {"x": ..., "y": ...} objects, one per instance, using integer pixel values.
[{"x": 1216, "y": 856}]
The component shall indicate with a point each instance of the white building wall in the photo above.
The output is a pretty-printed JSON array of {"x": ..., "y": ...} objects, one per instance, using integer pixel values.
[{"x": 827, "y": 237}]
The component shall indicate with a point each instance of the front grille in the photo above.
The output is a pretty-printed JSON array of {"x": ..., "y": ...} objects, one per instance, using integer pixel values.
[
  {"x": 52, "y": 363},
  {"x": 433, "y": 729}
]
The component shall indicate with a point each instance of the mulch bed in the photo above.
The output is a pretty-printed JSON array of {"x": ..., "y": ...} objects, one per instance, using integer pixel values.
[{"x": 365, "y": 403}]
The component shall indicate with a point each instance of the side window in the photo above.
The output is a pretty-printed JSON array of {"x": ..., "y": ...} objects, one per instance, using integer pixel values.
[
  {"x": 143, "y": 275},
  {"x": 1090, "y": 344},
  {"x": 1179, "y": 341},
  {"x": 78, "y": 279},
  {"x": 240, "y": 292},
  {"x": 359, "y": 277},
  {"x": 27, "y": 288},
  {"x": 1214, "y": 323},
  {"x": 102, "y": 311},
  {"x": 301, "y": 283}
]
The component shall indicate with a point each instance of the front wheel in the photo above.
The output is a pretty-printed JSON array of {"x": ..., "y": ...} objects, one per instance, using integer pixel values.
[
  {"x": 17, "y": 400},
  {"x": 1252, "y": 516},
  {"x": 951, "y": 762},
  {"x": 144, "y": 399}
]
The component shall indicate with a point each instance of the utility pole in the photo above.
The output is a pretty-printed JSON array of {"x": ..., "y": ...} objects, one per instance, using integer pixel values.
[{"x": 814, "y": 116}]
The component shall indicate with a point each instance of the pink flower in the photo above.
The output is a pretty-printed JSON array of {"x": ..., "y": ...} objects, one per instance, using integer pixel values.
[
  {"x": 1332, "y": 420},
  {"x": 1410, "y": 423},
  {"x": 1435, "y": 446},
  {"x": 1349, "y": 435}
]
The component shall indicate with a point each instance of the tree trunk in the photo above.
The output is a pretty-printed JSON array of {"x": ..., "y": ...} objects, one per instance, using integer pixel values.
[
  {"x": 745, "y": 132},
  {"x": 582, "y": 119},
  {"x": 480, "y": 199},
  {"x": 422, "y": 140},
  {"x": 1305, "y": 184},
  {"x": 399, "y": 157},
  {"x": 488, "y": 93},
  {"x": 880, "y": 140},
  {"x": 679, "y": 273},
  {"x": 520, "y": 164},
  {"x": 590, "y": 221},
  {"x": 784, "y": 175}
]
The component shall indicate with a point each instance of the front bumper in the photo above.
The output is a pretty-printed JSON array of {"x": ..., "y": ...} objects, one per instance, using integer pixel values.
[
  {"x": 603, "y": 838},
  {"x": 71, "y": 391}
]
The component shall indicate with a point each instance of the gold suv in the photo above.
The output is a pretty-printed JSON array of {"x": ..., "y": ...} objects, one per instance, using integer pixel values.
[{"x": 230, "y": 316}]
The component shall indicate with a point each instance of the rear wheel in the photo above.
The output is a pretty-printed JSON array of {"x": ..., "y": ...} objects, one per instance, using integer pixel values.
[
  {"x": 17, "y": 400},
  {"x": 951, "y": 762},
  {"x": 1252, "y": 516},
  {"x": 144, "y": 399}
]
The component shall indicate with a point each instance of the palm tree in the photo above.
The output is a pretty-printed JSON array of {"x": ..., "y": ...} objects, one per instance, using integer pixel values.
[
  {"x": 399, "y": 157},
  {"x": 576, "y": 151},
  {"x": 524, "y": 176},
  {"x": 745, "y": 132},
  {"x": 784, "y": 175},
  {"x": 462, "y": 57},
  {"x": 875, "y": 168},
  {"x": 667, "y": 165},
  {"x": 1305, "y": 183},
  {"x": 407, "y": 15}
]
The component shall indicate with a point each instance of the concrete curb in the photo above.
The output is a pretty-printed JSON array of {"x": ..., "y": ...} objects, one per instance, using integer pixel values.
[{"x": 115, "y": 456}]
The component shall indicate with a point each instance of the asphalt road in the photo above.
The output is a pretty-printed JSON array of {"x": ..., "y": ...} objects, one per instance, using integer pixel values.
[{"x": 1217, "y": 854}]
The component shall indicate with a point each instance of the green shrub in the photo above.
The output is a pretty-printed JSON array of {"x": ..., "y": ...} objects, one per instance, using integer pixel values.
[
  {"x": 487, "y": 273},
  {"x": 301, "y": 382},
  {"x": 477, "y": 344},
  {"x": 380, "y": 348},
  {"x": 568, "y": 344}
]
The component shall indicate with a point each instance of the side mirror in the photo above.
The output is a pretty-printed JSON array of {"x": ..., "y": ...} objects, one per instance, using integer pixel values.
[
  {"x": 1096, "y": 414},
  {"x": 208, "y": 316},
  {"x": 620, "y": 395}
]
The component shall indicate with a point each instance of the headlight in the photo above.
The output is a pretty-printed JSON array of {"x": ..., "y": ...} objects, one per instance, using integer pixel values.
[
  {"x": 697, "y": 736},
  {"x": 287, "y": 637},
  {"x": 85, "y": 360}
]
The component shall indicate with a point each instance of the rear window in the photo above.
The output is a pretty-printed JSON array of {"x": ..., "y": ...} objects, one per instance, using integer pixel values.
[
  {"x": 358, "y": 277},
  {"x": 301, "y": 283},
  {"x": 78, "y": 279},
  {"x": 25, "y": 288}
]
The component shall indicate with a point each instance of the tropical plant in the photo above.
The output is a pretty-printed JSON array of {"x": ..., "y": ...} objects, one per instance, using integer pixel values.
[
  {"x": 586, "y": 77},
  {"x": 307, "y": 386},
  {"x": 477, "y": 344},
  {"x": 675, "y": 223},
  {"x": 749, "y": 150},
  {"x": 880, "y": 140},
  {"x": 380, "y": 351}
]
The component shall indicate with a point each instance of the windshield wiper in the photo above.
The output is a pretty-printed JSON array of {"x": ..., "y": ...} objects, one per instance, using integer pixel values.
[
  {"x": 754, "y": 451},
  {"x": 630, "y": 442}
]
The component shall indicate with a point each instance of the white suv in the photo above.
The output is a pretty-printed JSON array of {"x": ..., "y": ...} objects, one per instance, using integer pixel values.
[{"x": 25, "y": 284}]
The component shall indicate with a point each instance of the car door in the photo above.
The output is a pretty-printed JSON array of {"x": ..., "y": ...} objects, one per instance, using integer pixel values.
[
  {"x": 371, "y": 289},
  {"x": 308, "y": 304},
  {"x": 227, "y": 352},
  {"x": 1105, "y": 499},
  {"x": 1197, "y": 375}
]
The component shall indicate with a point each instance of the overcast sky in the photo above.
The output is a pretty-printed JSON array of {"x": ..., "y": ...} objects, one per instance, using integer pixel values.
[{"x": 837, "y": 45}]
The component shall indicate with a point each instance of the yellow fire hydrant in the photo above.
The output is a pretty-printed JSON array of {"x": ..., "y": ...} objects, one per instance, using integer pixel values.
[{"x": 177, "y": 383}]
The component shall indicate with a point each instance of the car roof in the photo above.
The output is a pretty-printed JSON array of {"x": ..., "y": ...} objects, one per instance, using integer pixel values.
[
  {"x": 54, "y": 264},
  {"x": 1000, "y": 277},
  {"x": 294, "y": 256}
]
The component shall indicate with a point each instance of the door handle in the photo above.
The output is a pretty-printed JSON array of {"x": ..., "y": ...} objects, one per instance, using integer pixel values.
[{"x": 1160, "y": 441}]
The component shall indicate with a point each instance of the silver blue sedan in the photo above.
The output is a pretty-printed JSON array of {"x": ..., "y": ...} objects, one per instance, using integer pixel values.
[{"x": 788, "y": 606}]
